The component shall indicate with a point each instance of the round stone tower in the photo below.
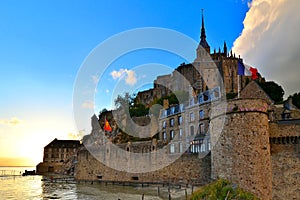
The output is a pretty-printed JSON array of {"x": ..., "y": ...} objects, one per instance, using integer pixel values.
[{"x": 241, "y": 150}]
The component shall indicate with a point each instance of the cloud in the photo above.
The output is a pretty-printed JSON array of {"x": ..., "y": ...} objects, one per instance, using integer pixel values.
[
  {"x": 12, "y": 122},
  {"x": 129, "y": 75},
  {"x": 107, "y": 90},
  {"x": 270, "y": 41},
  {"x": 117, "y": 74},
  {"x": 88, "y": 104}
]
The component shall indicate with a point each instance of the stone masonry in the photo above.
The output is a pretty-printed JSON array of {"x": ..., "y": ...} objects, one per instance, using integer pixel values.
[
  {"x": 188, "y": 169},
  {"x": 241, "y": 153}
]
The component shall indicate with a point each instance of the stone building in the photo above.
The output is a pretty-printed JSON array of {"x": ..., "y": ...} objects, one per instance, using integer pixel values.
[
  {"x": 247, "y": 140},
  {"x": 56, "y": 153},
  {"x": 244, "y": 140},
  {"x": 209, "y": 70},
  {"x": 188, "y": 124}
]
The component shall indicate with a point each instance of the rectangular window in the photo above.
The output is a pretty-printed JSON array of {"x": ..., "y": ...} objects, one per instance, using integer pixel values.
[
  {"x": 180, "y": 148},
  {"x": 194, "y": 146},
  {"x": 197, "y": 146},
  {"x": 164, "y": 124},
  {"x": 172, "y": 148},
  {"x": 192, "y": 117},
  {"x": 202, "y": 147},
  {"x": 171, "y": 135},
  {"x": 179, "y": 120},
  {"x": 201, "y": 129},
  {"x": 164, "y": 136},
  {"x": 180, "y": 133},
  {"x": 192, "y": 130},
  {"x": 172, "y": 122}
]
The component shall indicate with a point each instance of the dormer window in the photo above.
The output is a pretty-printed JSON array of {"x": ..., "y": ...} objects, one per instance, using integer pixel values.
[
  {"x": 191, "y": 101},
  {"x": 172, "y": 110},
  {"x": 165, "y": 113},
  {"x": 181, "y": 107}
]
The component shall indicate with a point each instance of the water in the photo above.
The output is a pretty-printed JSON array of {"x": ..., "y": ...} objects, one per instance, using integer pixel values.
[{"x": 14, "y": 187}]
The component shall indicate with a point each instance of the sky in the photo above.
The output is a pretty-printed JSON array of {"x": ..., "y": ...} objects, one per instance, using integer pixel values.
[{"x": 45, "y": 43}]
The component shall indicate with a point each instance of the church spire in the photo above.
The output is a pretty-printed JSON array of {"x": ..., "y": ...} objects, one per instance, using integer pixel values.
[
  {"x": 203, "y": 35},
  {"x": 203, "y": 42}
]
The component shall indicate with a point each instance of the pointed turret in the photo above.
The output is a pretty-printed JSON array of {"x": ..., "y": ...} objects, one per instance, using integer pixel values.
[{"x": 225, "y": 49}]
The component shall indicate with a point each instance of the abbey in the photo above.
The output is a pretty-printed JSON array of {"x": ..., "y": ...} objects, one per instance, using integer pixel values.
[
  {"x": 247, "y": 139},
  {"x": 207, "y": 70}
]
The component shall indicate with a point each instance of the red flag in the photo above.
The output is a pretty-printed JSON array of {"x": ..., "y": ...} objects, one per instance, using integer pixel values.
[
  {"x": 107, "y": 127},
  {"x": 253, "y": 72}
]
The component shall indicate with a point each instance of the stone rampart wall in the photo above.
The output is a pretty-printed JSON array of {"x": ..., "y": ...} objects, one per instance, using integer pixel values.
[
  {"x": 286, "y": 171},
  {"x": 284, "y": 130},
  {"x": 189, "y": 168}
]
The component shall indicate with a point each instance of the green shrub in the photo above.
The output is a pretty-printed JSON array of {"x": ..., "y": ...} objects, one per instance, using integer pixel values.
[{"x": 221, "y": 189}]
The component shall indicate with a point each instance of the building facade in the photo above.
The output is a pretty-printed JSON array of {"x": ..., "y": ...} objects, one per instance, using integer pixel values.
[{"x": 56, "y": 154}]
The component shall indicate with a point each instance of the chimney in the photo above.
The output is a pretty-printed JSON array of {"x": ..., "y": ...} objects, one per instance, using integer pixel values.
[{"x": 166, "y": 104}]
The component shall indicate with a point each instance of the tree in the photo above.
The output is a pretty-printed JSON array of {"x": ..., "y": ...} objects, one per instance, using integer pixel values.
[
  {"x": 296, "y": 99},
  {"x": 274, "y": 90},
  {"x": 128, "y": 102},
  {"x": 174, "y": 98},
  {"x": 125, "y": 101},
  {"x": 138, "y": 110},
  {"x": 104, "y": 110}
]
